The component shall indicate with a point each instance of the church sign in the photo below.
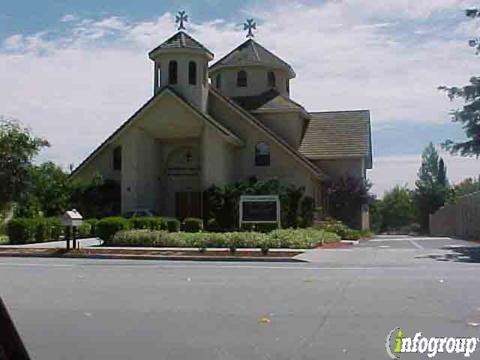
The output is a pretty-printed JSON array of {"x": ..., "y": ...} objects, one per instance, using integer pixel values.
[{"x": 259, "y": 209}]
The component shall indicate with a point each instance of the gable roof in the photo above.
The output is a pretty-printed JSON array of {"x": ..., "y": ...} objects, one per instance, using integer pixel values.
[
  {"x": 338, "y": 134},
  {"x": 181, "y": 40},
  {"x": 282, "y": 143},
  {"x": 226, "y": 133},
  {"x": 252, "y": 53},
  {"x": 270, "y": 100}
]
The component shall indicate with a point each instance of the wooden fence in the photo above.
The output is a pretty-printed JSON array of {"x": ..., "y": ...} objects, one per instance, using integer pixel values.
[{"x": 461, "y": 219}]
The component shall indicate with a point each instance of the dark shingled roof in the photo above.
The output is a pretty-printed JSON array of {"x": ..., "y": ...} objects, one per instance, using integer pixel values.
[
  {"x": 338, "y": 134},
  {"x": 252, "y": 53},
  {"x": 269, "y": 100},
  {"x": 181, "y": 40}
]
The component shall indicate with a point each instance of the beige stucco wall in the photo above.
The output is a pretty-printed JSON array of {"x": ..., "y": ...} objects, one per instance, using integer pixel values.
[
  {"x": 343, "y": 167},
  {"x": 102, "y": 165},
  {"x": 257, "y": 81},
  {"x": 288, "y": 125},
  {"x": 198, "y": 93},
  {"x": 282, "y": 164},
  {"x": 218, "y": 159}
]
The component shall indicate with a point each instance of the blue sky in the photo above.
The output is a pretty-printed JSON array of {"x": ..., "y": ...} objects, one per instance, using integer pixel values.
[{"x": 77, "y": 69}]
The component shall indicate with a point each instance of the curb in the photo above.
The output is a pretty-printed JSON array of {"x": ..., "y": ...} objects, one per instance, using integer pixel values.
[{"x": 160, "y": 258}]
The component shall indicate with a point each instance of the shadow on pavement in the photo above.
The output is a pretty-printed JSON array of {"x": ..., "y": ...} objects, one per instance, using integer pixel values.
[{"x": 466, "y": 254}]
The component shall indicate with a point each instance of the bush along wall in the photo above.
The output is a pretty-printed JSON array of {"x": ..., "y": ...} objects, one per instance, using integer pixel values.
[{"x": 221, "y": 204}]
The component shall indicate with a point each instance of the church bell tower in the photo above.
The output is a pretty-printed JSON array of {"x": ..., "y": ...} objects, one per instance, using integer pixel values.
[{"x": 181, "y": 63}]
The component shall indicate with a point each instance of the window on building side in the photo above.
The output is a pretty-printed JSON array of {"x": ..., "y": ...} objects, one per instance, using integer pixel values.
[
  {"x": 242, "y": 78},
  {"x": 159, "y": 76},
  {"x": 288, "y": 87},
  {"x": 192, "y": 73},
  {"x": 172, "y": 72},
  {"x": 117, "y": 158},
  {"x": 218, "y": 81},
  {"x": 271, "y": 79},
  {"x": 262, "y": 154}
]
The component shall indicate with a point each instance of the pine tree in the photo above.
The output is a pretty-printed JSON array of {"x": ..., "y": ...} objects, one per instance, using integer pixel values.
[
  {"x": 469, "y": 115},
  {"x": 432, "y": 185}
]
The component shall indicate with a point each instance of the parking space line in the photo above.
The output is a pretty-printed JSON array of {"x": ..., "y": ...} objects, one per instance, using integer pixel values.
[{"x": 417, "y": 245}]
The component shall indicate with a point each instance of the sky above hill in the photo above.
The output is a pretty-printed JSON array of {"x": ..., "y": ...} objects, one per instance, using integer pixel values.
[{"x": 74, "y": 71}]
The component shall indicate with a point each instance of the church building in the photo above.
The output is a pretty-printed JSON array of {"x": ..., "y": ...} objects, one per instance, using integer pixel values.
[{"x": 222, "y": 123}]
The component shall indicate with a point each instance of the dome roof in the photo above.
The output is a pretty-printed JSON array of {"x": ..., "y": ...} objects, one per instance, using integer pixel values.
[
  {"x": 251, "y": 53},
  {"x": 181, "y": 40}
]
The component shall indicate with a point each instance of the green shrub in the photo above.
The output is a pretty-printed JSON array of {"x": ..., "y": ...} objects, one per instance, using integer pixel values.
[
  {"x": 149, "y": 222},
  {"x": 335, "y": 226},
  {"x": 4, "y": 240},
  {"x": 173, "y": 225},
  {"x": 212, "y": 225},
  {"x": 107, "y": 227},
  {"x": 93, "y": 226},
  {"x": 56, "y": 228},
  {"x": 287, "y": 238},
  {"x": 42, "y": 229},
  {"x": 21, "y": 231},
  {"x": 192, "y": 225},
  {"x": 84, "y": 230},
  {"x": 307, "y": 211}
]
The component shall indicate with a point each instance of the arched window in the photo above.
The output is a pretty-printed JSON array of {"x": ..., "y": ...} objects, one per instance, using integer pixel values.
[
  {"x": 172, "y": 72},
  {"x": 242, "y": 78},
  {"x": 271, "y": 79},
  {"x": 159, "y": 76},
  {"x": 117, "y": 158},
  {"x": 192, "y": 73},
  {"x": 262, "y": 154},
  {"x": 218, "y": 81}
]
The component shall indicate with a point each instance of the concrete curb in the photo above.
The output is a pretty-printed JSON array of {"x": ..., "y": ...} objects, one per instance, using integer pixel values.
[{"x": 159, "y": 257}]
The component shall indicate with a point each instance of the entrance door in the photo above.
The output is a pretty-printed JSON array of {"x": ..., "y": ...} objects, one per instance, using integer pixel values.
[{"x": 188, "y": 204}]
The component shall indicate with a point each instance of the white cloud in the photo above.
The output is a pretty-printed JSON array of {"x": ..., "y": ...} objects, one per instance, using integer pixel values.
[
  {"x": 77, "y": 86},
  {"x": 68, "y": 18}
]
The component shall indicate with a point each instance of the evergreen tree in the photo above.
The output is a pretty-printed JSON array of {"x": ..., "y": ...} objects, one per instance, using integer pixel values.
[
  {"x": 432, "y": 185},
  {"x": 469, "y": 115}
]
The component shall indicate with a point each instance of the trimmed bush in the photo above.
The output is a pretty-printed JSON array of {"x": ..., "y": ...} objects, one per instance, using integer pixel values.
[
  {"x": 42, "y": 230},
  {"x": 107, "y": 227},
  {"x": 335, "y": 226},
  {"x": 56, "y": 228},
  {"x": 93, "y": 226},
  {"x": 84, "y": 230},
  {"x": 150, "y": 223},
  {"x": 21, "y": 231},
  {"x": 4, "y": 240},
  {"x": 173, "y": 225},
  {"x": 289, "y": 238},
  {"x": 192, "y": 225}
]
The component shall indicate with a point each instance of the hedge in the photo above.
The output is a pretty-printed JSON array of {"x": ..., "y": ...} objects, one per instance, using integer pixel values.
[
  {"x": 107, "y": 227},
  {"x": 28, "y": 230},
  {"x": 192, "y": 225},
  {"x": 288, "y": 238}
]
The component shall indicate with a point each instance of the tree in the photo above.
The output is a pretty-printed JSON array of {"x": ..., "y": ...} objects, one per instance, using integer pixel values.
[
  {"x": 346, "y": 195},
  {"x": 47, "y": 190},
  {"x": 18, "y": 146},
  {"x": 467, "y": 186},
  {"x": 397, "y": 208},
  {"x": 469, "y": 115},
  {"x": 432, "y": 185}
]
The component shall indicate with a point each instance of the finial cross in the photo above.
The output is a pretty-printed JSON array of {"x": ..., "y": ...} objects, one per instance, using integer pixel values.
[
  {"x": 180, "y": 19},
  {"x": 250, "y": 25}
]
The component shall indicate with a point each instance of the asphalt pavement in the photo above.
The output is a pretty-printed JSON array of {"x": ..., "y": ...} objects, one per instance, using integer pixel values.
[{"x": 341, "y": 305}]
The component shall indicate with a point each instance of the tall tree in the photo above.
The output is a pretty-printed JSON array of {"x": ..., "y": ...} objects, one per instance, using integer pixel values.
[
  {"x": 47, "y": 190},
  {"x": 432, "y": 185},
  {"x": 397, "y": 208},
  {"x": 18, "y": 146},
  {"x": 469, "y": 115}
]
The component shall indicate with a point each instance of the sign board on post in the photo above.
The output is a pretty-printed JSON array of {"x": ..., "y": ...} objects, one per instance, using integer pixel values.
[{"x": 259, "y": 209}]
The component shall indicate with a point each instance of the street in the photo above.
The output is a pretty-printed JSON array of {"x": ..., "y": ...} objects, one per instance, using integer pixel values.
[{"x": 341, "y": 305}]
